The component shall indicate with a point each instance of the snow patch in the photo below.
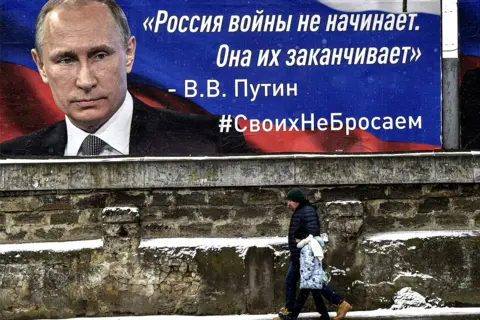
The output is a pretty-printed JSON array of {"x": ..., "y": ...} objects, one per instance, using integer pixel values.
[
  {"x": 343, "y": 202},
  {"x": 189, "y": 246},
  {"x": 385, "y": 248},
  {"x": 379, "y": 313},
  {"x": 409, "y": 274},
  {"x": 406, "y": 235},
  {"x": 61, "y": 246},
  {"x": 336, "y": 272},
  {"x": 210, "y": 243},
  {"x": 407, "y": 298}
]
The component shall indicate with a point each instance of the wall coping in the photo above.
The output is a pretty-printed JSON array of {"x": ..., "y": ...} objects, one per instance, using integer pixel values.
[{"x": 239, "y": 171}]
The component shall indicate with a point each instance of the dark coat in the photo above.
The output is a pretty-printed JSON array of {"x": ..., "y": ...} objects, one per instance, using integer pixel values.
[
  {"x": 305, "y": 214},
  {"x": 154, "y": 132}
]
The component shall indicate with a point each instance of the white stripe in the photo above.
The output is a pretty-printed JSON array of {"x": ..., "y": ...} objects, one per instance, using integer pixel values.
[{"x": 390, "y": 6}]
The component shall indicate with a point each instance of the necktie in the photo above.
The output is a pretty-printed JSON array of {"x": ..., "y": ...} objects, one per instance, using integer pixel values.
[{"x": 92, "y": 145}]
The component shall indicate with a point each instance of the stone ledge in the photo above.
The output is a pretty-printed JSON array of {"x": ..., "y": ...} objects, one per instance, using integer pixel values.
[{"x": 262, "y": 170}]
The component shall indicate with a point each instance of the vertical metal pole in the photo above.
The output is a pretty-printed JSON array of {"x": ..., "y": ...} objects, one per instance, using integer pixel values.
[{"x": 450, "y": 76}]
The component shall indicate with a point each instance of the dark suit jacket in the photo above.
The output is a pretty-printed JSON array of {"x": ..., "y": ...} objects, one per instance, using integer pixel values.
[
  {"x": 154, "y": 132},
  {"x": 470, "y": 110}
]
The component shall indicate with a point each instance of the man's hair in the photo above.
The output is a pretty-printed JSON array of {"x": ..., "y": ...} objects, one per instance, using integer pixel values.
[{"x": 117, "y": 13}]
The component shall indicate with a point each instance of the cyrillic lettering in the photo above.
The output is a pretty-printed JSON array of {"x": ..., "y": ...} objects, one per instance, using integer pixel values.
[
  {"x": 406, "y": 50},
  {"x": 331, "y": 22},
  {"x": 372, "y": 55},
  {"x": 311, "y": 122},
  {"x": 377, "y": 22},
  {"x": 388, "y": 124},
  {"x": 342, "y": 25},
  {"x": 336, "y": 55},
  {"x": 293, "y": 124},
  {"x": 348, "y": 55},
  {"x": 322, "y": 124},
  {"x": 245, "y": 86},
  {"x": 293, "y": 89},
  {"x": 270, "y": 125},
  {"x": 233, "y": 58},
  {"x": 363, "y": 123},
  {"x": 257, "y": 22},
  {"x": 269, "y": 22},
  {"x": 350, "y": 124},
  {"x": 312, "y": 58},
  {"x": 373, "y": 123},
  {"x": 254, "y": 125},
  {"x": 213, "y": 85},
  {"x": 206, "y": 24},
  {"x": 217, "y": 23},
  {"x": 355, "y": 21},
  {"x": 360, "y": 54},
  {"x": 383, "y": 55},
  {"x": 284, "y": 26},
  {"x": 190, "y": 85},
  {"x": 192, "y": 24},
  {"x": 162, "y": 16},
  {"x": 282, "y": 124},
  {"x": 401, "y": 22},
  {"x": 415, "y": 123},
  {"x": 394, "y": 54},
  {"x": 390, "y": 22},
  {"x": 334, "y": 121},
  {"x": 325, "y": 58},
  {"x": 366, "y": 22},
  {"x": 291, "y": 54},
  {"x": 254, "y": 89},
  {"x": 412, "y": 17},
  {"x": 277, "y": 89},
  {"x": 241, "y": 116}
]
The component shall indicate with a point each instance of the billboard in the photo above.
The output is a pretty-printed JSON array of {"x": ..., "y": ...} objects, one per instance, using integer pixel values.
[
  {"x": 469, "y": 104},
  {"x": 220, "y": 77}
]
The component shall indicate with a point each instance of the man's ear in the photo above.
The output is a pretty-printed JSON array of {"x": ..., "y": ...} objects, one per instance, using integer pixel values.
[
  {"x": 132, "y": 46},
  {"x": 40, "y": 65}
]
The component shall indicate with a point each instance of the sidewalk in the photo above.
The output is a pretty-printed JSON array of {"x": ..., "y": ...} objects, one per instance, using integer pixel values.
[{"x": 411, "y": 313}]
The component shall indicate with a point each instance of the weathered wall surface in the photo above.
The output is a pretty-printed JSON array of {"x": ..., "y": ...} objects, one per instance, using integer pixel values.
[{"x": 44, "y": 202}]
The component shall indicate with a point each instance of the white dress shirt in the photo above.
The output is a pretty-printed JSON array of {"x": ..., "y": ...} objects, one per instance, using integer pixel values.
[{"x": 115, "y": 132}]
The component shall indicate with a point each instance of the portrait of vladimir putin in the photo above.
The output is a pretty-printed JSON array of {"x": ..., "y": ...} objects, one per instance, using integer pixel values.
[{"x": 84, "y": 51}]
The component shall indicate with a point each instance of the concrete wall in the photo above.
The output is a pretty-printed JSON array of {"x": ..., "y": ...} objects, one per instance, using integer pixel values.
[{"x": 358, "y": 198}]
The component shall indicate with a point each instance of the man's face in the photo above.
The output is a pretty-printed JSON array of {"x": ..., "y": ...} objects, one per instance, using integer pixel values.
[
  {"x": 85, "y": 63},
  {"x": 292, "y": 205}
]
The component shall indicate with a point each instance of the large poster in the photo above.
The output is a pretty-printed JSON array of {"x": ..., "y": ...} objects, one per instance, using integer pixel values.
[
  {"x": 469, "y": 104},
  {"x": 219, "y": 77}
]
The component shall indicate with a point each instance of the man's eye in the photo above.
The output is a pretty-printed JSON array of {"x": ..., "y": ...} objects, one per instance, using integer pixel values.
[
  {"x": 100, "y": 56},
  {"x": 65, "y": 61}
]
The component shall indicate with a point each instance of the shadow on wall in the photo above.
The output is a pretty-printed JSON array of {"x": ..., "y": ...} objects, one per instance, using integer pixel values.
[{"x": 469, "y": 105}]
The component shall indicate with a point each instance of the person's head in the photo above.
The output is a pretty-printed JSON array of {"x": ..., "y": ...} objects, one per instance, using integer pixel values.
[
  {"x": 301, "y": 233},
  {"x": 294, "y": 198},
  {"x": 84, "y": 51}
]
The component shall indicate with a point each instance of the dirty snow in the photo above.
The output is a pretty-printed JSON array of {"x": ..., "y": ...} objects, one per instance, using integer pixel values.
[
  {"x": 380, "y": 313},
  {"x": 406, "y": 235},
  {"x": 61, "y": 246},
  {"x": 407, "y": 298}
]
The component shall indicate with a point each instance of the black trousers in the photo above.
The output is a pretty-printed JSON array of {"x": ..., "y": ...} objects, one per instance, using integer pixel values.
[{"x": 319, "y": 303}]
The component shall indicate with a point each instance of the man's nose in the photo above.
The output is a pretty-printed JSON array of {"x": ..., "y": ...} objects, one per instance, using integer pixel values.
[{"x": 86, "y": 79}]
